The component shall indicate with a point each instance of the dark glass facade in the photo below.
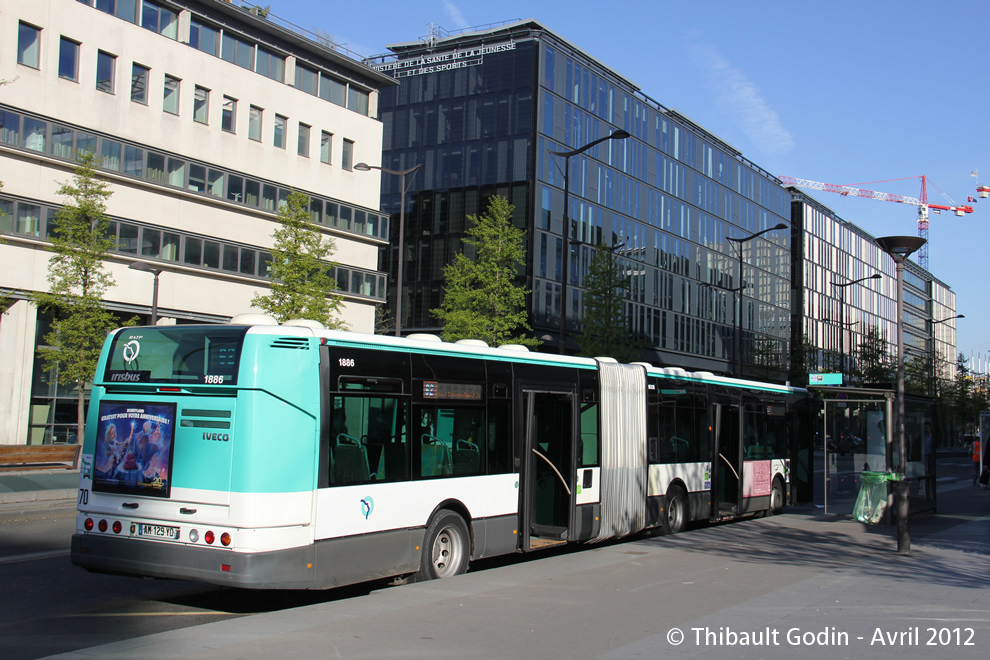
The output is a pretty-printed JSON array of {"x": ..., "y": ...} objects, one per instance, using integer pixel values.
[{"x": 481, "y": 113}]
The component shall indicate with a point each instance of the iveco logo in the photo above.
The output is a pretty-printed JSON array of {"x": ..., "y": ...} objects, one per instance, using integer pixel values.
[{"x": 219, "y": 437}]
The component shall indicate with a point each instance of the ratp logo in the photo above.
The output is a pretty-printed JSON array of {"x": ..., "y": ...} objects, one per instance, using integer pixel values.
[
  {"x": 131, "y": 350},
  {"x": 367, "y": 506}
]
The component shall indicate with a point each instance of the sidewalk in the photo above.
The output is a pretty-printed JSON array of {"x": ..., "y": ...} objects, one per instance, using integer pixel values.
[
  {"x": 800, "y": 583},
  {"x": 35, "y": 488}
]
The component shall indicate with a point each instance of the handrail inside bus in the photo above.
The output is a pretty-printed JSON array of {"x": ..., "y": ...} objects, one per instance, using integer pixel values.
[{"x": 554, "y": 468}]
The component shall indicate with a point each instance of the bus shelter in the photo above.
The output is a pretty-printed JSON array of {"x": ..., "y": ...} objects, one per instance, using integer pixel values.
[{"x": 854, "y": 432}]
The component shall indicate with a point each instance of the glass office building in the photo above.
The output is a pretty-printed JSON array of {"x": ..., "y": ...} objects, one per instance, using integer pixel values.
[
  {"x": 832, "y": 320},
  {"x": 482, "y": 111}
]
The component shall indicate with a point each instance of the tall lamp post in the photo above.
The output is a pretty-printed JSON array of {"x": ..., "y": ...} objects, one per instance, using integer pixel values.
[
  {"x": 735, "y": 328},
  {"x": 147, "y": 268},
  {"x": 566, "y": 155},
  {"x": 900, "y": 248},
  {"x": 842, "y": 316},
  {"x": 742, "y": 285},
  {"x": 364, "y": 167}
]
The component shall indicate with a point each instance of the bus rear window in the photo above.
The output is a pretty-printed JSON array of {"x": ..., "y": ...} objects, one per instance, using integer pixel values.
[{"x": 188, "y": 355}]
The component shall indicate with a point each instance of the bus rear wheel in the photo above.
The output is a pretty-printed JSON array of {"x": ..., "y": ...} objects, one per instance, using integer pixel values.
[
  {"x": 446, "y": 547},
  {"x": 776, "y": 499},
  {"x": 676, "y": 519}
]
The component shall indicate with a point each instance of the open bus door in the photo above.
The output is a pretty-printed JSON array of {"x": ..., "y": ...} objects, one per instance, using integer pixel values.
[
  {"x": 547, "y": 507},
  {"x": 726, "y": 461}
]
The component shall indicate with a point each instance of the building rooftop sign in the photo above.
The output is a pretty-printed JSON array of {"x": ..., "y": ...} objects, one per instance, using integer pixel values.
[{"x": 436, "y": 62}]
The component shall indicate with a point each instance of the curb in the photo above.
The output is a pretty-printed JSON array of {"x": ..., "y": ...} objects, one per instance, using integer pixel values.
[{"x": 53, "y": 497}]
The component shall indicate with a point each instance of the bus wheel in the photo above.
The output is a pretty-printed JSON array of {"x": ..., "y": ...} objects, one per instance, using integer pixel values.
[
  {"x": 446, "y": 547},
  {"x": 776, "y": 499},
  {"x": 676, "y": 519}
]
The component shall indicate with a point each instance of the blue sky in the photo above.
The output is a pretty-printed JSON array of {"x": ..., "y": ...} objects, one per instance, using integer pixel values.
[{"x": 841, "y": 92}]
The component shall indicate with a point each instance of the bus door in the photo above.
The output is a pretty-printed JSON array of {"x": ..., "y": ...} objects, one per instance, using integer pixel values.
[
  {"x": 727, "y": 461},
  {"x": 548, "y": 473}
]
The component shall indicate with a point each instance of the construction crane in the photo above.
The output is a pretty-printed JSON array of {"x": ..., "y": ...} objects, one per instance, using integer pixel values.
[{"x": 921, "y": 203}]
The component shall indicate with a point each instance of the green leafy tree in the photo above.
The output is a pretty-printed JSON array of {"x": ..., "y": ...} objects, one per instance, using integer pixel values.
[
  {"x": 874, "y": 363},
  {"x": 77, "y": 282},
  {"x": 481, "y": 298},
  {"x": 805, "y": 359},
  {"x": 604, "y": 331},
  {"x": 768, "y": 361},
  {"x": 302, "y": 285}
]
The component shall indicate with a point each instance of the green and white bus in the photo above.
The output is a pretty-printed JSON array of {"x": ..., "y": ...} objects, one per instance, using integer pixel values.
[{"x": 288, "y": 456}]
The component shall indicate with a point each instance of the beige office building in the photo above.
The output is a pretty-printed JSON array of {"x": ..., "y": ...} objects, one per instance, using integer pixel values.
[{"x": 204, "y": 115}]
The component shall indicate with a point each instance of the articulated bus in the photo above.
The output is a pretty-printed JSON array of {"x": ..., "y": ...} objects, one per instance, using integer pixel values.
[{"x": 261, "y": 455}]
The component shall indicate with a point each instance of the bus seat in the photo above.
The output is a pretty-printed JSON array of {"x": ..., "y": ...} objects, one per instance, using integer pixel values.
[
  {"x": 467, "y": 458},
  {"x": 434, "y": 458},
  {"x": 350, "y": 460}
]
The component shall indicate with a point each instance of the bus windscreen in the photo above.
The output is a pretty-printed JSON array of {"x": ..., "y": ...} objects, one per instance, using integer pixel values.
[
  {"x": 134, "y": 448},
  {"x": 183, "y": 355}
]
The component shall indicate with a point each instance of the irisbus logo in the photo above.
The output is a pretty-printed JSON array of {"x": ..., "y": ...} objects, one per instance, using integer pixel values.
[{"x": 218, "y": 437}]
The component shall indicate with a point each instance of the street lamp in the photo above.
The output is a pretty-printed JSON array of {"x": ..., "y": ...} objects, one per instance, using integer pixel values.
[
  {"x": 364, "y": 167},
  {"x": 742, "y": 285},
  {"x": 566, "y": 155},
  {"x": 900, "y": 248},
  {"x": 142, "y": 266},
  {"x": 735, "y": 329},
  {"x": 842, "y": 317}
]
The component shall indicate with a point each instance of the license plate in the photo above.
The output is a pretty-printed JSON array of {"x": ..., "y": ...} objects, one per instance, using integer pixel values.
[{"x": 161, "y": 531}]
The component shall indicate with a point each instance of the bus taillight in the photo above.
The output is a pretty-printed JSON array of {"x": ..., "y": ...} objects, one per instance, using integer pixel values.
[
  {"x": 209, "y": 537},
  {"x": 117, "y": 527},
  {"x": 225, "y": 539},
  {"x": 103, "y": 525},
  {"x": 88, "y": 525}
]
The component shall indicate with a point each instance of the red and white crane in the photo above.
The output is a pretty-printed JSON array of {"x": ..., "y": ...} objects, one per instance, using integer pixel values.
[{"x": 920, "y": 202}]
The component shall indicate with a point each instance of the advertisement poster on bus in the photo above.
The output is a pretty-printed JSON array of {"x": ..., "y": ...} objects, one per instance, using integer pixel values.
[{"x": 134, "y": 448}]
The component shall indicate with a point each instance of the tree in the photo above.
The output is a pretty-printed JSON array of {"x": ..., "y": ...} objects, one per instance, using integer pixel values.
[
  {"x": 302, "y": 286},
  {"x": 768, "y": 361},
  {"x": 874, "y": 364},
  {"x": 604, "y": 331},
  {"x": 805, "y": 359},
  {"x": 77, "y": 282},
  {"x": 481, "y": 299}
]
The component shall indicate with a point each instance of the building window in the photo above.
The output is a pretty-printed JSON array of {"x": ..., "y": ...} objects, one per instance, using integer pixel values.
[
  {"x": 326, "y": 140},
  {"x": 237, "y": 51},
  {"x": 125, "y": 9},
  {"x": 280, "y": 123},
  {"x": 68, "y": 59},
  {"x": 357, "y": 100},
  {"x": 304, "y": 140},
  {"x": 139, "y": 83},
  {"x": 159, "y": 19},
  {"x": 254, "y": 123},
  {"x": 228, "y": 118},
  {"x": 203, "y": 37},
  {"x": 347, "y": 154},
  {"x": 270, "y": 65},
  {"x": 307, "y": 80},
  {"x": 170, "y": 103},
  {"x": 106, "y": 65},
  {"x": 28, "y": 45},
  {"x": 201, "y": 105}
]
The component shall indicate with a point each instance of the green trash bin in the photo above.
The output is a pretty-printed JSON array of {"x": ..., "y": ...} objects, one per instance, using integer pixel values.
[{"x": 872, "y": 499}]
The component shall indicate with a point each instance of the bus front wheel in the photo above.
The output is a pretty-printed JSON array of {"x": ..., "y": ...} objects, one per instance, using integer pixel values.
[{"x": 446, "y": 547}]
